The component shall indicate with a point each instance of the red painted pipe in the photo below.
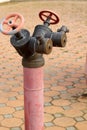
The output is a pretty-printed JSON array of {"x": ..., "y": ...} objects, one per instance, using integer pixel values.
[{"x": 33, "y": 98}]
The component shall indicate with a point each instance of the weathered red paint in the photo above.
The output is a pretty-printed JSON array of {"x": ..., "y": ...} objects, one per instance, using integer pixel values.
[{"x": 33, "y": 98}]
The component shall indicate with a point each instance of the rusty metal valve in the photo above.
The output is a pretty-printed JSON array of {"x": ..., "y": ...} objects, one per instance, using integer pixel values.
[
  {"x": 32, "y": 48},
  {"x": 41, "y": 42}
]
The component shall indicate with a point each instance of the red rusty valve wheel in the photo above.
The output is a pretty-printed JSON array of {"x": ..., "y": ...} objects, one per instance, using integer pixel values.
[
  {"x": 11, "y": 24},
  {"x": 48, "y": 14}
]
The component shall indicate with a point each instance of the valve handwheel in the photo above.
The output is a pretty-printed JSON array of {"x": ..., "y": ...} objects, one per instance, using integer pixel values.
[
  {"x": 54, "y": 19},
  {"x": 11, "y": 24}
]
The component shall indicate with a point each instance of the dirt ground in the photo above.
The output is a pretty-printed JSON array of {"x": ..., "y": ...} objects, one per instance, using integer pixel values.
[{"x": 64, "y": 74}]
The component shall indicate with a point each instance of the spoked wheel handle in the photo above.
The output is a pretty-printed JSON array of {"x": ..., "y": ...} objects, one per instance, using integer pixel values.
[
  {"x": 12, "y": 24},
  {"x": 44, "y": 15}
]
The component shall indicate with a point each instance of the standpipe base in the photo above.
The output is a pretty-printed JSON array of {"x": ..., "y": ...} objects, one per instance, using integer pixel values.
[{"x": 33, "y": 98}]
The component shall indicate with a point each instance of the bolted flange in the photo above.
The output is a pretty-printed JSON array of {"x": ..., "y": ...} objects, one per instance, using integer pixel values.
[{"x": 34, "y": 61}]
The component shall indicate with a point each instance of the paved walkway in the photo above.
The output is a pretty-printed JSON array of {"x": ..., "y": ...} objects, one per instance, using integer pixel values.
[{"x": 65, "y": 107}]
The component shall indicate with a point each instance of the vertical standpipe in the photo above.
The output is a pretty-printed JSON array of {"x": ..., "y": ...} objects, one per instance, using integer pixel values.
[
  {"x": 33, "y": 78},
  {"x": 33, "y": 62},
  {"x": 33, "y": 98}
]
